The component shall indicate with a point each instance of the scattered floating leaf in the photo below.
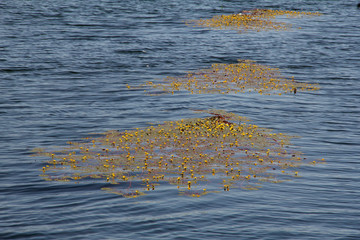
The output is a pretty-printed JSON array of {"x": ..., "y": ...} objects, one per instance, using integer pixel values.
[
  {"x": 198, "y": 156},
  {"x": 244, "y": 76},
  {"x": 255, "y": 20}
]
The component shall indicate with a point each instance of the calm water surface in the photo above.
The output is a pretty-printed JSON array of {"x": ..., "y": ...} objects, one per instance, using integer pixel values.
[{"x": 64, "y": 66}]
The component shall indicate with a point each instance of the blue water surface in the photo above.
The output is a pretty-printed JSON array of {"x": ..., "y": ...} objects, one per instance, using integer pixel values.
[{"x": 64, "y": 67}]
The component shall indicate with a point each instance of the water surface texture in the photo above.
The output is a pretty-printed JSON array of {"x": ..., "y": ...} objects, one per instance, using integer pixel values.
[{"x": 64, "y": 67}]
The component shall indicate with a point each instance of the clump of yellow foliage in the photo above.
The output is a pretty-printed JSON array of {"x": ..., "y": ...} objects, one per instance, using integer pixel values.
[
  {"x": 240, "y": 77},
  {"x": 197, "y": 156},
  {"x": 256, "y": 20}
]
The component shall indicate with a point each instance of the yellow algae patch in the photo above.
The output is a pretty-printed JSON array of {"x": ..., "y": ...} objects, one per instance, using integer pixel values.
[
  {"x": 256, "y": 20},
  {"x": 240, "y": 77},
  {"x": 197, "y": 156}
]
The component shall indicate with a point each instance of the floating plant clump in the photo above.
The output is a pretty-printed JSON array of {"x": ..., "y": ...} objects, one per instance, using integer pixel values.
[
  {"x": 256, "y": 20},
  {"x": 244, "y": 76},
  {"x": 196, "y": 156}
]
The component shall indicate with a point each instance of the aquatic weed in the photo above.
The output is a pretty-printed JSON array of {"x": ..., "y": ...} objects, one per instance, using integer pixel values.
[
  {"x": 243, "y": 76},
  {"x": 255, "y": 20},
  {"x": 197, "y": 156}
]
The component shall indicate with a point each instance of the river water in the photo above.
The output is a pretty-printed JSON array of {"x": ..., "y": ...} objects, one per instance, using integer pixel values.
[{"x": 64, "y": 67}]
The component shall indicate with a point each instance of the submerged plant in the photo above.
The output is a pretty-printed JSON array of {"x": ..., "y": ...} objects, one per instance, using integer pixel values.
[
  {"x": 244, "y": 76},
  {"x": 256, "y": 20},
  {"x": 197, "y": 156}
]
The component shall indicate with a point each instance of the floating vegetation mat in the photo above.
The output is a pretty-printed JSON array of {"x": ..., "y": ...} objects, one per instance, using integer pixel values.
[
  {"x": 196, "y": 156},
  {"x": 256, "y": 20},
  {"x": 244, "y": 76}
]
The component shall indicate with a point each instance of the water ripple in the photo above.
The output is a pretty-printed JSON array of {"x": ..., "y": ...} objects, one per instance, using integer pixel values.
[{"x": 64, "y": 70}]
